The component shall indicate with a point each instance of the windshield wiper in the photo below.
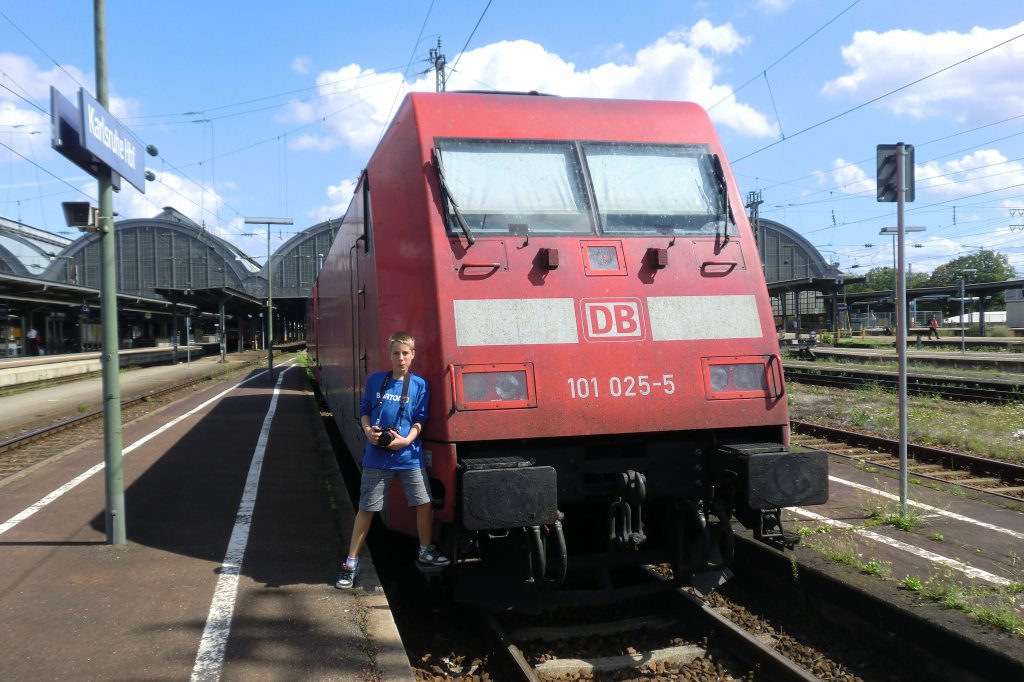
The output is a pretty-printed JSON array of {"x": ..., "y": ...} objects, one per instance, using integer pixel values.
[
  {"x": 451, "y": 200},
  {"x": 724, "y": 190}
]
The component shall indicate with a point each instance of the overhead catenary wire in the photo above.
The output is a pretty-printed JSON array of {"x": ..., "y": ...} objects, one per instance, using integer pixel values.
[
  {"x": 879, "y": 98},
  {"x": 472, "y": 33},
  {"x": 408, "y": 65},
  {"x": 788, "y": 52}
]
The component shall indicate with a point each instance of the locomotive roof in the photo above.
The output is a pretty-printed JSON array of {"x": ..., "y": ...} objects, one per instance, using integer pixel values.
[{"x": 509, "y": 115}]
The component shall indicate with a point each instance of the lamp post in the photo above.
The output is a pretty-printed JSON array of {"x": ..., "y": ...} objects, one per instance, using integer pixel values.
[
  {"x": 963, "y": 335},
  {"x": 897, "y": 272},
  {"x": 270, "y": 287}
]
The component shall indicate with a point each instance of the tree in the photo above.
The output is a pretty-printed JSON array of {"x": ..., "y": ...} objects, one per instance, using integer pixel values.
[
  {"x": 990, "y": 266},
  {"x": 875, "y": 279},
  {"x": 884, "y": 279}
]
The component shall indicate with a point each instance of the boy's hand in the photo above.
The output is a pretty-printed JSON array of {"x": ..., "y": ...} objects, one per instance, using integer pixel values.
[
  {"x": 398, "y": 443},
  {"x": 374, "y": 434}
]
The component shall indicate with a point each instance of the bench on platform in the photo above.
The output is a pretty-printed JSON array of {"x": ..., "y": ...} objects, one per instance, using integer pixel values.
[{"x": 918, "y": 332}]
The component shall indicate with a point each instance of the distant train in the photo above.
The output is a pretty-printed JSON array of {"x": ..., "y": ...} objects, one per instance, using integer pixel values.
[{"x": 591, "y": 313}]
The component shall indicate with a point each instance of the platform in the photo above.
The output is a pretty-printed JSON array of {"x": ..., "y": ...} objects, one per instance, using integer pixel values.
[{"x": 235, "y": 513}]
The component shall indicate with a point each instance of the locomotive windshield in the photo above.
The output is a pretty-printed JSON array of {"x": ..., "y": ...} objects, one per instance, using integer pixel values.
[
  {"x": 506, "y": 186},
  {"x": 656, "y": 189},
  {"x": 501, "y": 187}
]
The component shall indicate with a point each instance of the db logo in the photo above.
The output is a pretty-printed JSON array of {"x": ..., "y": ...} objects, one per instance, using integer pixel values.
[{"x": 613, "y": 319}]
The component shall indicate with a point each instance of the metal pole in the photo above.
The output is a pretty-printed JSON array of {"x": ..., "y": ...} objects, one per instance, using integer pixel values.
[
  {"x": 901, "y": 325},
  {"x": 895, "y": 285},
  {"x": 963, "y": 341},
  {"x": 270, "y": 286},
  {"x": 112, "y": 456},
  {"x": 270, "y": 310}
]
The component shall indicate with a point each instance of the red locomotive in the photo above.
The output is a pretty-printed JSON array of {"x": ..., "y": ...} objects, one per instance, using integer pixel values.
[{"x": 591, "y": 314}]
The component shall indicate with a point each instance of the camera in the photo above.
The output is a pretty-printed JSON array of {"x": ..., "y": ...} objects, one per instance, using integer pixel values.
[{"x": 386, "y": 436}]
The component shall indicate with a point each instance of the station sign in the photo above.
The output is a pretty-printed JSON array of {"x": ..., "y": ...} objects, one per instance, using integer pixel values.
[
  {"x": 66, "y": 138},
  {"x": 110, "y": 142}
]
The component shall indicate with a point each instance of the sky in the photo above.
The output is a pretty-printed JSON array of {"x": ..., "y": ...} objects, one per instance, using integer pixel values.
[{"x": 264, "y": 109}]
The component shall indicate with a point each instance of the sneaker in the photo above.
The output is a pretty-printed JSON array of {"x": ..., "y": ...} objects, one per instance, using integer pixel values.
[
  {"x": 431, "y": 557},
  {"x": 347, "y": 578}
]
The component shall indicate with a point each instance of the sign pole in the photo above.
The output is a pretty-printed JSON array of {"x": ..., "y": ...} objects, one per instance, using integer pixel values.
[
  {"x": 111, "y": 364},
  {"x": 901, "y": 323}
]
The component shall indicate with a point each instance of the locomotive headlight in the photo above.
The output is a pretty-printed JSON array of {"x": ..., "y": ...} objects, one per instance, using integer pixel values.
[
  {"x": 510, "y": 385},
  {"x": 719, "y": 377},
  {"x": 490, "y": 387},
  {"x": 749, "y": 377},
  {"x": 476, "y": 387},
  {"x": 733, "y": 378}
]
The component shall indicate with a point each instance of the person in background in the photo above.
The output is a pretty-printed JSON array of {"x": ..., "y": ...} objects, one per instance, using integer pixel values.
[
  {"x": 392, "y": 412},
  {"x": 933, "y": 326},
  {"x": 32, "y": 342}
]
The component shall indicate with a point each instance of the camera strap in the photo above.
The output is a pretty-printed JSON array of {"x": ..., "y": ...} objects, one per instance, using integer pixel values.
[{"x": 403, "y": 401}]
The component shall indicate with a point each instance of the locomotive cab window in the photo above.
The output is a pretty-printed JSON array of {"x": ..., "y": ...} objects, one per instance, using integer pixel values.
[
  {"x": 645, "y": 190},
  {"x": 501, "y": 187}
]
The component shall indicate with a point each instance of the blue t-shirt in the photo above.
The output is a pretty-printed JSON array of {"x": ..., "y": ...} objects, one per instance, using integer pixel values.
[{"x": 383, "y": 412}]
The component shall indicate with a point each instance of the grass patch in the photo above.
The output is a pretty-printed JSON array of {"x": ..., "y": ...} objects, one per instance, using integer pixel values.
[
  {"x": 980, "y": 429},
  {"x": 912, "y": 583},
  {"x": 879, "y": 515},
  {"x": 876, "y": 568},
  {"x": 997, "y": 606}
]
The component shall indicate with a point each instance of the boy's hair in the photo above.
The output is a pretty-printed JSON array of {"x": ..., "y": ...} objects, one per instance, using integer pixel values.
[{"x": 402, "y": 337}]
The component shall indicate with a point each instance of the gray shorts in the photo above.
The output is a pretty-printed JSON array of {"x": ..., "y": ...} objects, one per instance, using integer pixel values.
[{"x": 374, "y": 485}]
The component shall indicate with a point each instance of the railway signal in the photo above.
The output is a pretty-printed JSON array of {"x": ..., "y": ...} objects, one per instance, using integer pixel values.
[{"x": 889, "y": 181}]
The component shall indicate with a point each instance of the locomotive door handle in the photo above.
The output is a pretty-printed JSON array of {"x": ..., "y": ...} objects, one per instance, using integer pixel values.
[
  {"x": 490, "y": 266},
  {"x": 719, "y": 267},
  {"x": 451, "y": 380},
  {"x": 774, "y": 371}
]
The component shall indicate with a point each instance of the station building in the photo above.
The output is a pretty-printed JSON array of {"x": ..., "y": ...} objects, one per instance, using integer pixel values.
[
  {"x": 176, "y": 283},
  {"x": 805, "y": 288}
]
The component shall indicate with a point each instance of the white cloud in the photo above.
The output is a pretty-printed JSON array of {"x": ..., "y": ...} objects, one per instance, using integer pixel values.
[
  {"x": 25, "y": 77},
  {"x": 25, "y": 131},
  {"x": 356, "y": 104},
  {"x": 200, "y": 204},
  {"x": 720, "y": 39},
  {"x": 984, "y": 87},
  {"x": 301, "y": 65},
  {"x": 847, "y": 178},
  {"x": 982, "y": 171},
  {"x": 339, "y": 196},
  {"x": 775, "y": 6},
  {"x": 23, "y": 126}
]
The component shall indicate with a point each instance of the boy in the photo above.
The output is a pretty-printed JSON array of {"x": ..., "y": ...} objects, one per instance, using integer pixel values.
[{"x": 392, "y": 412}]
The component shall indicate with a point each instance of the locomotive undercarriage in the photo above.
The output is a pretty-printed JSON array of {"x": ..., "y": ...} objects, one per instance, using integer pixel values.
[{"x": 535, "y": 512}]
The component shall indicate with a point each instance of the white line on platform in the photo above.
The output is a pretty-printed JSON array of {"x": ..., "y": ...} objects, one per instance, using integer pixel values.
[
  {"x": 916, "y": 551},
  {"x": 210, "y": 657},
  {"x": 931, "y": 509}
]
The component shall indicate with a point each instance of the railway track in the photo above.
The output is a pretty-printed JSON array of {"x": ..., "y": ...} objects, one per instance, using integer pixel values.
[
  {"x": 995, "y": 477},
  {"x": 669, "y": 631},
  {"x": 950, "y": 387},
  {"x": 24, "y": 450}
]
